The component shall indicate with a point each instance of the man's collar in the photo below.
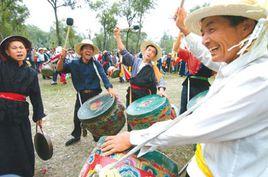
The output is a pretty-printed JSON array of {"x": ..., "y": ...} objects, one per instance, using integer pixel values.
[{"x": 242, "y": 61}]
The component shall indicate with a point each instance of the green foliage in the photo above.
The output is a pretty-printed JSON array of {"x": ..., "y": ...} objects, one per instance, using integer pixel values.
[
  {"x": 39, "y": 38},
  {"x": 106, "y": 14},
  {"x": 73, "y": 39},
  {"x": 142, "y": 7},
  {"x": 134, "y": 11},
  {"x": 12, "y": 17},
  {"x": 55, "y": 4},
  {"x": 166, "y": 43}
]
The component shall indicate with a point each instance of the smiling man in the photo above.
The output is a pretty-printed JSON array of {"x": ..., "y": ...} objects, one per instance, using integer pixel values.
[
  {"x": 231, "y": 124},
  {"x": 84, "y": 71},
  {"x": 145, "y": 79}
]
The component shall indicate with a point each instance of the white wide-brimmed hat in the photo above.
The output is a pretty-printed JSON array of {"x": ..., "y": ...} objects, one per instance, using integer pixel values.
[
  {"x": 245, "y": 8},
  {"x": 78, "y": 46},
  {"x": 145, "y": 44}
]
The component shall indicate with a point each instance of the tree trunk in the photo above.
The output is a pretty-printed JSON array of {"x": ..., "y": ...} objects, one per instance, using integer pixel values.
[
  {"x": 105, "y": 38},
  {"x": 57, "y": 26},
  {"x": 127, "y": 40},
  {"x": 139, "y": 33}
]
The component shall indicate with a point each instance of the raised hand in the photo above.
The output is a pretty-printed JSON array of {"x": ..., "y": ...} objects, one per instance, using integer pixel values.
[{"x": 180, "y": 21}]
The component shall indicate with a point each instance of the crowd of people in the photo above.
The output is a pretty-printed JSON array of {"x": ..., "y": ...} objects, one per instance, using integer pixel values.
[{"x": 230, "y": 126}]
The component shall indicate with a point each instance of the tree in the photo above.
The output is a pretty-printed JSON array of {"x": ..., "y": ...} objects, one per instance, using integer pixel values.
[
  {"x": 73, "y": 36},
  {"x": 134, "y": 11},
  {"x": 38, "y": 37},
  {"x": 55, "y": 5},
  {"x": 107, "y": 18},
  {"x": 142, "y": 7},
  {"x": 12, "y": 17},
  {"x": 127, "y": 11},
  {"x": 166, "y": 42}
]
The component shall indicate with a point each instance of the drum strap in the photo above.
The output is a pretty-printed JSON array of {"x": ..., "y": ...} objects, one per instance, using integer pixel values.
[
  {"x": 201, "y": 161},
  {"x": 130, "y": 95},
  {"x": 97, "y": 72},
  {"x": 79, "y": 97},
  {"x": 188, "y": 89},
  {"x": 136, "y": 87}
]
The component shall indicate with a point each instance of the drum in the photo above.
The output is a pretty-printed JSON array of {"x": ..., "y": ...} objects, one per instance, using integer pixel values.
[
  {"x": 145, "y": 111},
  {"x": 102, "y": 115},
  {"x": 152, "y": 164},
  {"x": 47, "y": 69},
  {"x": 174, "y": 111},
  {"x": 113, "y": 72},
  {"x": 197, "y": 98}
]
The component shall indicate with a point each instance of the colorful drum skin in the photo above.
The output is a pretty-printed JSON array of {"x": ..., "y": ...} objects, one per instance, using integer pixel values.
[
  {"x": 102, "y": 115},
  {"x": 145, "y": 111},
  {"x": 152, "y": 164},
  {"x": 197, "y": 98}
]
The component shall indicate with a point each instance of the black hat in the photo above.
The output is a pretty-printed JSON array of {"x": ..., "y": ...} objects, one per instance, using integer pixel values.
[{"x": 7, "y": 40}]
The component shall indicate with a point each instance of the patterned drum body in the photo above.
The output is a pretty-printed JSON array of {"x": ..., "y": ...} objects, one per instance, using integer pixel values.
[
  {"x": 174, "y": 111},
  {"x": 47, "y": 69},
  {"x": 152, "y": 164},
  {"x": 113, "y": 72},
  {"x": 102, "y": 115},
  {"x": 147, "y": 110}
]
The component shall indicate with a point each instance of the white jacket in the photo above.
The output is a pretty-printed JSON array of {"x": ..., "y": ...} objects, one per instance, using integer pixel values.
[{"x": 231, "y": 124}]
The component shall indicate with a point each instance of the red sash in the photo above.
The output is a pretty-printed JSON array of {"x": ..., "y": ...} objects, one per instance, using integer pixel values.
[
  {"x": 136, "y": 87},
  {"x": 12, "y": 96}
]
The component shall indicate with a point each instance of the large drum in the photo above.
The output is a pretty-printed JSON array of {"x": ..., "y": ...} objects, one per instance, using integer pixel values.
[
  {"x": 152, "y": 164},
  {"x": 113, "y": 72},
  {"x": 174, "y": 111},
  {"x": 196, "y": 99},
  {"x": 102, "y": 115},
  {"x": 145, "y": 111},
  {"x": 48, "y": 69}
]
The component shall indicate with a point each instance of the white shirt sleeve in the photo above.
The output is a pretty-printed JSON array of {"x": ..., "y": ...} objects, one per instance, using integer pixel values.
[
  {"x": 201, "y": 52},
  {"x": 240, "y": 109}
]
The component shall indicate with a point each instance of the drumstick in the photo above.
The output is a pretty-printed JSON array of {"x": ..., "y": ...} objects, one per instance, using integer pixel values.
[
  {"x": 69, "y": 22},
  {"x": 182, "y": 3},
  {"x": 181, "y": 6}
]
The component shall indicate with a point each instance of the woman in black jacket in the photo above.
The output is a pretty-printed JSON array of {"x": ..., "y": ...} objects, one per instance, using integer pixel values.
[{"x": 18, "y": 81}]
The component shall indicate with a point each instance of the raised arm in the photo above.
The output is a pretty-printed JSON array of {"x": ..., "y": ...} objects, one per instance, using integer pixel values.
[
  {"x": 195, "y": 45},
  {"x": 177, "y": 43},
  {"x": 128, "y": 58},
  {"x": 118, "y": 39},
  {"x": 61, "y": 60}
]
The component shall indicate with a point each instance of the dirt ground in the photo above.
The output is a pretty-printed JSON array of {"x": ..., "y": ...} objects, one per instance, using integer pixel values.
[{"x": 59, "y": 104}]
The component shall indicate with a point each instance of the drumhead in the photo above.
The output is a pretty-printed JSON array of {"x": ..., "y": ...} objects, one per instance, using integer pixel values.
[
  {"x": 146, "y": 105},
  {"x": 196, "y": 99},
  {"x": 95, "y": 107}
]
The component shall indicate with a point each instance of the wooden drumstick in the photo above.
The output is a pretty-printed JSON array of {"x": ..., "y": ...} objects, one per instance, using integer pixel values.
[
  {"x": 182, "y": 3},
  {"x": 181, "y": 6},
  {"x": 69, "y": 22}
]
